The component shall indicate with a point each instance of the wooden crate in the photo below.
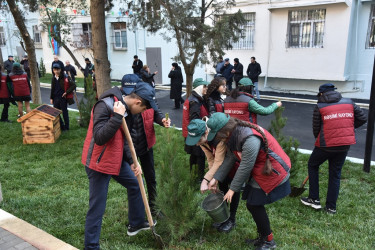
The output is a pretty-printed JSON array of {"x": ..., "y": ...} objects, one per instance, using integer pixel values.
[{"x": 41, "y": 125}]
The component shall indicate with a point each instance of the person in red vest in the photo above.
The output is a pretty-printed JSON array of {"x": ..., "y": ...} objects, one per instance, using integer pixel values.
[
  {"x": 241, "y": 104},
  {"x": 4, "y": 97},
  {"x": 264, "y": 166},
  {"x": 215, "y": 153},
  {"x": 106, "y": 155},
  {"x": 334, "y": 122},
  {"x": 61, "y": 94},
  {"x": 21, "y": 88},
  {"x": 143, "y": 135},
  {"x": 195, "y": 107},
  {"x": 216, "y": 88}
]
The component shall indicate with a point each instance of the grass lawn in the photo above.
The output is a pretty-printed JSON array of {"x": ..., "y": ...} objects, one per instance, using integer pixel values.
[
  {"x": 79, "y": 81},
  {"x": 46, "y": 185}
]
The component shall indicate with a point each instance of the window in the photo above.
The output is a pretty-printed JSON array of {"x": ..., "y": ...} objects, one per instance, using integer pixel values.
[
  {"x": 306, "y": 28},
  {"x": 246, "y": 40},
  {"x": 37, "y": 36},
  {"x": 2, "y": 37},
  {"x": 371, "y": 30},
  {"x": 82, "y": 35},
  {"x": 120, "y": 36}
]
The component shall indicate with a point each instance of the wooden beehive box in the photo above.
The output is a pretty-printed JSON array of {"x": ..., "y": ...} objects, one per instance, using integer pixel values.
[{"x": 41, "y": 125}]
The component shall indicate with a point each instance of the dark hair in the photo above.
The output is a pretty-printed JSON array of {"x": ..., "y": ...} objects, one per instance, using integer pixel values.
[
  {"x": 232, "y": 124},
  {"x": 135, "y": 56},
  {"x": 253, "y": 58},
  {"x": 214, "y": 85},
  {"x": 236, "y": 92},
  {"x": 17, "y": 70},
  {"x": 87, "y": 60},
  {"x": 144, "y": 102},
  {"x": 220, "y": 57}
]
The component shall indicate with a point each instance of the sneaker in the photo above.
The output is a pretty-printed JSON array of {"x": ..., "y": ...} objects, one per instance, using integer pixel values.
[
  {"x": 310, "y": 202},
  {"x": 330, "y": 210},
  {"x": 134, "y": 230},
  {"x": 254, "y": 242},
  {"x": 227, "y": 226},
  {"x": 266, "y": 245},
  {"x": 216, "y": 225}
]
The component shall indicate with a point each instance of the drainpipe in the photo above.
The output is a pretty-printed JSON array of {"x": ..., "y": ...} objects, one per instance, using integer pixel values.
[
  {"x": 136, "y": 41},
  {"x": 269, "y": 45}
]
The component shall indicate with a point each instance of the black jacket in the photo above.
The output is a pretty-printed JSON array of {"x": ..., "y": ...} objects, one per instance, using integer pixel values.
[
  {"x": 176, "y": 83},
  {"x": 72, "y": 71},
  {"x": 226, "y": 72},
  {"x": 61, "y": 65},
  {"x": 332, "y": 97},
  {"x": 147, "y": 77},
  {"x": 137, "y": 66},
  {"x": 106, "y": 122},
  {"x": 69, "y": 90},
  {"x": 138, "y": 132},
  {"x": 238, "y": 75},
  {"x": 253, "y": 71},
  {"x": 8, "y": 65},
  {"x": 212, "y": 100},
  {"x": 88, "y": 69}
]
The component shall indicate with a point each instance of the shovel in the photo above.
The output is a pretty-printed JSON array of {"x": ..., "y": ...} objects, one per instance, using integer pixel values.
[
  {"x": 297, "y": 191},
  {"x": 157, "y": 237}
]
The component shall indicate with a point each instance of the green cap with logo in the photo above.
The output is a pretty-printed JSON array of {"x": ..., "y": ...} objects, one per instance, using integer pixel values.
[
  {"x": 245, "y": 82},
  {"x": 196, "y": 129},
  {"x": 216, "y": 122},
  {"x": 199, "y": 81}
]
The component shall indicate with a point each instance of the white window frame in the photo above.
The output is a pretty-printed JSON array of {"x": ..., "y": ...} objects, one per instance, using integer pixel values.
[
  {"x": 246, "y": 41},
  {"x": 37, "y": 34},
  {"x": 87, "y": 35},
  {"x": 80, "y": 36},
  {"x": 120, "y": 30},
  {"x": 370, "y": 41},
  {"x": 304, "y": 19},
  {"x": 2, "y": 37}
]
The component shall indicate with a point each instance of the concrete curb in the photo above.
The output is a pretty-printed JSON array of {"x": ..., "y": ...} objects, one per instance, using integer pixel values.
[{"x": 31, "y": 234}]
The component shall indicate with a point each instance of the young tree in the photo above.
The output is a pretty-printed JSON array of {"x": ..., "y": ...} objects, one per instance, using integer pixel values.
[
  {"x": 202, "y": 29},
  {"x": 30, "y": 49}
]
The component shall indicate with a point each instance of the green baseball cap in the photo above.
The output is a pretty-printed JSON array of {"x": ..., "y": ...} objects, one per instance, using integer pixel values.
[
  {"x": 196, "y": 129},
  {"x": 199, "y": 81},
  {"x": 16, "y": 64},
  {"x": 245, "y": 82},
  {"x": 216, "y": 122}
]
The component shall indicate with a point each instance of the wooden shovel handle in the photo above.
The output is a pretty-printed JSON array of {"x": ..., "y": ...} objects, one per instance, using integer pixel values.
[
  {"x": 304, "y": 182},
  {"x": 139, "y": 177}
]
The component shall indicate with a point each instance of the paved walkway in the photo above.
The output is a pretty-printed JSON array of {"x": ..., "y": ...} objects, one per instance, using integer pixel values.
[{"x": 16, "y": 234}]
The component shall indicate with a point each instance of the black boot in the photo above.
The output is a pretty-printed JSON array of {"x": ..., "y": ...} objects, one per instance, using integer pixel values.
[
  {"x": 267, "y": 242},
  {"x": 255, "y": 242},
  {"x": 227, "y": 226}
]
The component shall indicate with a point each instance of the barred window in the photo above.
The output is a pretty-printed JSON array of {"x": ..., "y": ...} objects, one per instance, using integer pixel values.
[
  {"x": 306, "y": 28},
  {"x": 82, "y": 35},
  {"x": 246, "y": 40},
  {"x": 36, "y": 33},
  {"x": 87, "y": 34},
  {"x": 120, "y": 35},
  {"x": 2, "y": 37},
  {"x": 371, "y": 29}
]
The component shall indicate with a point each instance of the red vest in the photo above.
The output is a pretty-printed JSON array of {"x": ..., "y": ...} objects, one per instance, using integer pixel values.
[
  {"x": 186, "y": 113},
  {"x": 66, "y": 86},
  {"x": 279, "y": 159},
  {"x": 107, "y": 158},
  {"x": 20, "y": 84},
  {"x": 337, "y": 124},
  {"x": 239, "y": 108},
  {"x": 4, "y": 92},
  {"x": 148, "y": 124}
]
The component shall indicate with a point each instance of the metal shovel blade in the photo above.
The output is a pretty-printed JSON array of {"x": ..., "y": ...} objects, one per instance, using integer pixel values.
[
  {"x": 297, "y": 191},
  {"x": 159, "y": 240}
]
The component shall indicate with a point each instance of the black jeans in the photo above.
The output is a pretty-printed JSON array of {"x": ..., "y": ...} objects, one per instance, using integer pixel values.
[
  {"x": 335, "y": 161},
  {"x": 147, "y": 164},
  {"x": 177, "y": 102},
  {"x": 224, "y": 187},
  {"x": 60, "y": 103},
  {"x": 4, "y": 114}
]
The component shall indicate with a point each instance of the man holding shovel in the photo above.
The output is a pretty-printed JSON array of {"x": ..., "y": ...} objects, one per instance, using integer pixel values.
[
  {"x": 334, "y": 121},
  {"x": 107, "y": 155}
]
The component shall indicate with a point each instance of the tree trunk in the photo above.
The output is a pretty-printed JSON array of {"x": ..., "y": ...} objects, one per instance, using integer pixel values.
[
  {"x": 99, "y": 45},
  {"x": 1, "y": 59},
  {"x": 71, "y": 55},
  {"x": 189, "y": 72},
  {"x": 30, "y": 49}
]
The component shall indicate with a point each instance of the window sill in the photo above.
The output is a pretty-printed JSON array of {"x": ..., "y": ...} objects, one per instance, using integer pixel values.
[
  {"x": 38, "y": 45},
  {"x": 120, "y": 49}
]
